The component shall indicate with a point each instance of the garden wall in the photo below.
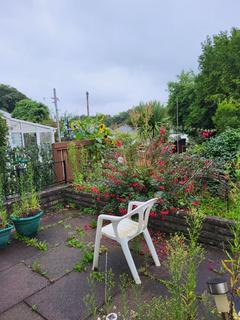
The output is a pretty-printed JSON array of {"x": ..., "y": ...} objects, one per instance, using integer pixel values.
[
  {"x": 215, "y": 231},
  {"x": 49, "y": 198}
]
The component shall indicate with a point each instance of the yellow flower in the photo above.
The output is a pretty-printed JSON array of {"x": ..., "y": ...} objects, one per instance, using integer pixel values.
[
  {"x": 75, "y": 124},
  {"x": 102, "y": 127}
]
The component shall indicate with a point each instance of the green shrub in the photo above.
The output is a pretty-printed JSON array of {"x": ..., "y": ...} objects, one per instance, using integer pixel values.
[
  {"x": 225, "y": 146},
  {"x": 227, "y": 115}
]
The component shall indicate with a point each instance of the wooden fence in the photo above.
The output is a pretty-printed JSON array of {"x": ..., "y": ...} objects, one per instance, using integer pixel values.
[{"x": 62, "y": 165}]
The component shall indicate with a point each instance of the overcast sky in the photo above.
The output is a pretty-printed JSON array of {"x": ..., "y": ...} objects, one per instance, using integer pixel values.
[{"x": 121, "y": 51}]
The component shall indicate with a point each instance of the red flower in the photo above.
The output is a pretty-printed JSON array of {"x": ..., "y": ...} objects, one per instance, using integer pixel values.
[
  {"x": 161, "y": 163},
  {"x": 95, "y": 190},
  {"x": 153, "y": 214},
  {"x": 106, "y": 195},
  {"x": 164, "y": 212},
  {"x": 161, "y": 188},
  {"x": 196, "y": 203},
  {"x": 182, "y": 182},
  {"x": 119, "y": 143},
  {"x": 87, "y": 227},
  {"x": 122, "y": 210},
  {"x": 162, "y": 131}
]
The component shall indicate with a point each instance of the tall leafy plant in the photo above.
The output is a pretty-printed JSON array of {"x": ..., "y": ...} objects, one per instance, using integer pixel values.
[
  {"x": 3, "y": 211},
  {"x": 3, "y": 145}
]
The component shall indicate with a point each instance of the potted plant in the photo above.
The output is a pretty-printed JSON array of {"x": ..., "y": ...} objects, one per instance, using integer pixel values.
[
  {"x": 5, "y": 227},
  {"x": 27, "y": 212}
]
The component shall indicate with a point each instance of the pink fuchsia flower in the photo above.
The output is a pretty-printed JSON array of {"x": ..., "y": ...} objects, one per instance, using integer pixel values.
[
  {"x": 119, "y": 143},
  {"x": 153, "y": 214},
  {"x": 94, "y": 190},
  {"x": 164, "y": 212},
  {"x": 106, "y": 195},
  {"x": 196, "y": 203},
  {"x": 87, "y": 227},
  {"x": 182, "y": 182},
  {"x": 162, "y": 131},
  {"x": 122, "y": 211}
]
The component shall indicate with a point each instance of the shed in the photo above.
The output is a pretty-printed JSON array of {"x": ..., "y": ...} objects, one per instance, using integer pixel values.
[{"x": 24, "y": 133}]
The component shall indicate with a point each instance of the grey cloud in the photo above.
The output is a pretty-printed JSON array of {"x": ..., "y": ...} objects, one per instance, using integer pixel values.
[{"x": 121, "y": 51}]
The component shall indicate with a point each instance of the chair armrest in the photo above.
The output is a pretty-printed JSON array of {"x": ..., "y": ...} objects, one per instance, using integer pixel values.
[
  {"x": 134, "y": 203},
  {"x": 115, "y": 220},
  {"x": 108, "y": 217}
]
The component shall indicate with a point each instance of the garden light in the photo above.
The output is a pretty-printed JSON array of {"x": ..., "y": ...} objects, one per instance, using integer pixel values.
[
  {"x": 111, "y": 316},
  {"x": 218, "y": 288}
]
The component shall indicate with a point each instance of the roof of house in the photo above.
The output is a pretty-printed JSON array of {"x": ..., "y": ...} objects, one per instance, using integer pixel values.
[{"x": 8, "y": 116}]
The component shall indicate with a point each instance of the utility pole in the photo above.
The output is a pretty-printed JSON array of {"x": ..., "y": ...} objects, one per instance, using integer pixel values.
[
  {"x": 87, "y": 96},
  {"x": 55, "y": 100},
  {"x": 177, "y": 129}
]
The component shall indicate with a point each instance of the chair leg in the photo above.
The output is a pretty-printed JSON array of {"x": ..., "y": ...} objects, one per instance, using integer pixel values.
[
  {"x": 96, "y": 250},
  {"x": 151, "y": 247},
  {"x": 131, "y": 264}
]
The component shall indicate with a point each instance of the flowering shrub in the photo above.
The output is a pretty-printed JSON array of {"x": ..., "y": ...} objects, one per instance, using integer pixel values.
[{"x": 141, "y": 173}]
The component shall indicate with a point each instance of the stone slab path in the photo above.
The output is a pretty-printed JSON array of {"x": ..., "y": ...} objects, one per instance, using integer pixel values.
[{"x": 36, "y": 285}]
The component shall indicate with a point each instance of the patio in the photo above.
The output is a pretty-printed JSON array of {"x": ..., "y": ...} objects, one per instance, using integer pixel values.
[{"x": 40, "y": 285}]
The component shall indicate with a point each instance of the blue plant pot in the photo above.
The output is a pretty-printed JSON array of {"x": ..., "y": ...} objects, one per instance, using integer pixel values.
[
  {"x": 5, "y": 236},
  {"x": 28, "y": 226}
]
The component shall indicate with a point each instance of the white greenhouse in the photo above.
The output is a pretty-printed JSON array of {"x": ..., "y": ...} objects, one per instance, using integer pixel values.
[{"x": 24, "y": 133}]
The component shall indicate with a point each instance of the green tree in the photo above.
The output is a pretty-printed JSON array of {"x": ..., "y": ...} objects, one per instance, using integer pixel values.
[
  {"x": 30, "y": 110},
  {"x": 227, "y": 115},
  {"x": 182, "y": 92},
  {"x": 9, "y": 96},
  {"x": 118, "y": 119},
  {"x": 219, "y": 76}
]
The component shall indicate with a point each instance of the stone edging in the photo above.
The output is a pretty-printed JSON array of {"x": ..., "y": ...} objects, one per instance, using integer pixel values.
[{"x": 215, "y": 231}]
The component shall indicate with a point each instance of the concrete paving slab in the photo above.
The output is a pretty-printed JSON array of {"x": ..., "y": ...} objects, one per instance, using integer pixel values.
[
  {"x": 57, "y": 261},
  {"x": 17, "y": 283},
  {"x": 64, "y": 300},
  {"x": 14, "y": 253},
  {"x": 20, "y": 311},
  {"x": 54, "y": 236}
]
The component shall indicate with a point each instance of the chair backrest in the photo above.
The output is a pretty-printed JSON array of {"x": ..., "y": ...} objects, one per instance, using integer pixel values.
[{"x": 143, "y": 212}]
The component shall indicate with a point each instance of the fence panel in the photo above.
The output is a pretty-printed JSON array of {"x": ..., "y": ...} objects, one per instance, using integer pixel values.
[{"x": 60, "y": 154}]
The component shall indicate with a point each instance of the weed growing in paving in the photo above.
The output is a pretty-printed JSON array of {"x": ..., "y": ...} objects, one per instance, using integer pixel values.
[
  {"x": 93, "y": 224},
  {"x": 32, "y": 242},
  {"x": 98, "y": 276},
  {"x": 48, "y": 226},
  {"x": 75, "y": 243},
  {"x": 80, "y": 232},
  {"x": 36, "y": 267},
  {"x": 90, "y": 299},
  {"x": 86, "y": 259},
  {"x": 89, "y": 211},
  {"x": 34, "y": 307},
  {"x": 59, "y": 206}
]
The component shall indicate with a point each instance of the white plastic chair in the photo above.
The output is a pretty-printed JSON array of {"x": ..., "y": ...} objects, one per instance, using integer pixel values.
[{"x": 123, "y": 229}]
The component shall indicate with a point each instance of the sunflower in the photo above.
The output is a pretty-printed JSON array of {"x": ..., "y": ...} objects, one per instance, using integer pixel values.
[
  {"x": 75, "y": 124},
  {"x": 102, "y": 127}
]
